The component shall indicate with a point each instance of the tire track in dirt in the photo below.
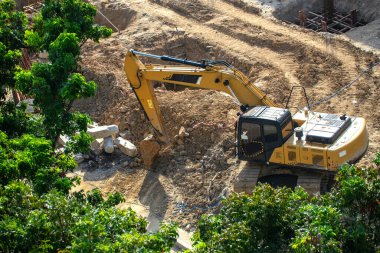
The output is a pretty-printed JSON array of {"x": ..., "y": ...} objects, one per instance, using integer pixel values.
[
  {"x": 307, "y": 39},
  {"x": 216, "y": 38},
  {"x": 301, "y": 64},
  {"x": 293, "y": 34}
]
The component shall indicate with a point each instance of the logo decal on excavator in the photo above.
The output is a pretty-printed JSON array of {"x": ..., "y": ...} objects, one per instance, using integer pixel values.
[{"x": 150, "y": 103}]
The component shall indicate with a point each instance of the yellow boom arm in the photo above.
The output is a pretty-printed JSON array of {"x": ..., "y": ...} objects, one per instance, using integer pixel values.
[{"x": 219, "y": 78}]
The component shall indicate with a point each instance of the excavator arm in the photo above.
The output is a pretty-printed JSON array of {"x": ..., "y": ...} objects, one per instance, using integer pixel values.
[{"x": 217, "y": 75}]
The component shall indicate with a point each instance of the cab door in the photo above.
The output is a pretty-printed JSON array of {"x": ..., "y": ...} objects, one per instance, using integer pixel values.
[{"x": 251, "y": 145}]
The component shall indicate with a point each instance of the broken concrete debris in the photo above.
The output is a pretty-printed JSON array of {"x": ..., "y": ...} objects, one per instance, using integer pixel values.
[
  {"x": 96, "y": 146},
  {"x": 62, "y": 140},
  {"x": 103, "y": 131},
  {"x": 126, "y": 147},
  {"x": 108, "y": 145},
  {"x": 78, "y": 158},
  {"x": 104, "y": 140}
]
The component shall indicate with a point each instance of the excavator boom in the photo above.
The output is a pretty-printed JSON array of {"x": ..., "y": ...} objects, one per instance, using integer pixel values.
[{"x": 202, "y": 75}]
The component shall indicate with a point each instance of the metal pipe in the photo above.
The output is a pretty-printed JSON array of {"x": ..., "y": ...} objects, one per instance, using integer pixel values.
[{"x": 109, "y": 21}]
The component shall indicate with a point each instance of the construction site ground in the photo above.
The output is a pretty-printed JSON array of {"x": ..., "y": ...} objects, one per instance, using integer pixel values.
[{"x": 188, "y": 179}]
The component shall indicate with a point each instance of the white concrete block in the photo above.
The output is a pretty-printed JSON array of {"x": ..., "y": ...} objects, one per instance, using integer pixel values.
[
  {"x": 126, "y": 147},
  {"x": 103, "y": 131},
  {"x": 97, "y": 146},
  {"x": 108, "y": 145}
]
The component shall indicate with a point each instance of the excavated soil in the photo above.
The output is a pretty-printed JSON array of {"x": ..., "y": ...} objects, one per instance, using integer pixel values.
[{"x": 188, "y": 180}]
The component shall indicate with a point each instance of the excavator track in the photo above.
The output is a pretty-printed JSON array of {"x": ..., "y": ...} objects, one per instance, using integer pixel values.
[{"x": 313, "y": 181}]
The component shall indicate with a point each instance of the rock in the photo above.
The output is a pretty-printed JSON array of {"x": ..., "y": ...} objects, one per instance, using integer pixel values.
[
  {"x": 124, "y": 109},
  {"x": 126, "y": 147},
  {"x": 182, "y": 132},
  {"x": 149, "y": 149},
  {"x": 43, "y": 55},
  {"x": 96, "y": 146},
  {"x": 103, "y": 131},
  {"x": 59, "y": 151},
  {"x": 126, "y": 163},
  {"x": 29, "y": 105},
  {"x": 79, "y": 158},
  {"x": 125, "y": 134},
  {"x": 93, "y": 125},
  {"x": 129, "y": 171},
  {"x": 108, "y": 145},
  {"x": 62, "y": 140}
]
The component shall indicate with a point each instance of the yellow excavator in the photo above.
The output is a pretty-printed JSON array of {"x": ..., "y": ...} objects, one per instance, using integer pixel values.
[{"x": 305, "y": 148}]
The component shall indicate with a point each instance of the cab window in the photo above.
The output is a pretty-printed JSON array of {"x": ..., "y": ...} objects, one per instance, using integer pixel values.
[
  {"x": 250, "y": 132},
  {"x": 270, "y": 133}
]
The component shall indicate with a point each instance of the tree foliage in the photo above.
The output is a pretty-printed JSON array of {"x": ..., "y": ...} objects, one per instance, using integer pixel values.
[
  {"x": 15, "y": 122},
  {"x": 33, "y": 159},
  {"x": 39, "y": 212},
  {"x": 55, "y": 87},
  {"x": 57, "y": 222},
  {"x": 61, "y": 28},
  {"x": 12, "y": 28},
  {"x": 282, "y": 220},
  {"x": 65, "y": 16}
]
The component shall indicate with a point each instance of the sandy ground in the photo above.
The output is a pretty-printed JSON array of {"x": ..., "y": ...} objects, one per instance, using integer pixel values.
[{"x": 187, "y": 180}]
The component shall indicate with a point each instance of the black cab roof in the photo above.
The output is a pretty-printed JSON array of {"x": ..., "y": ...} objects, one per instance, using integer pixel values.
[{"x": 264, "y": 114}]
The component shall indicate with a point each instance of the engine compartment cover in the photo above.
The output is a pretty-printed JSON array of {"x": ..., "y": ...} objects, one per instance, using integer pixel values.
[{"x": 326, "y": 128}]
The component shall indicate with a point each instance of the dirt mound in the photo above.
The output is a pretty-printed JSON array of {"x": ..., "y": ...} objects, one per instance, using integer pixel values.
[{"x": 114, "y": 14}]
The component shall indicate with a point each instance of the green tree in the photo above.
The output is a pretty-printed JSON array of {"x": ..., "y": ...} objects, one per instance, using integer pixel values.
[
  {"x": 261, "y": 222},
  {"x": 37, "y": 211},
  {"x": 12, "y": 29},
  {"x": 71, "y": 223},
  {"x": 15, "y": 121},
  {"x": 55, "y": 86},
  {"x": 281, "y": 220},
  {"x": 61, "y": 28},
  {"x": 30, "y": 158},
  {"x": 358, "y": 197},
  {"x": 65, "y": 16}
]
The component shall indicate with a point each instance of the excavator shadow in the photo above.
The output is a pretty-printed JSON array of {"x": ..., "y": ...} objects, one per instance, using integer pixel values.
[{"x": 153, "y": 194}]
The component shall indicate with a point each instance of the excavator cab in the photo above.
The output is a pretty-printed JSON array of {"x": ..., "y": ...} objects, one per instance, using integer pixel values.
[{"x": 261, "y": 130}]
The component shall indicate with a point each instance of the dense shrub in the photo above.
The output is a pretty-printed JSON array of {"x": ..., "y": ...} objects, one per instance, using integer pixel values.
[{"x": 281, "y": 220}]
